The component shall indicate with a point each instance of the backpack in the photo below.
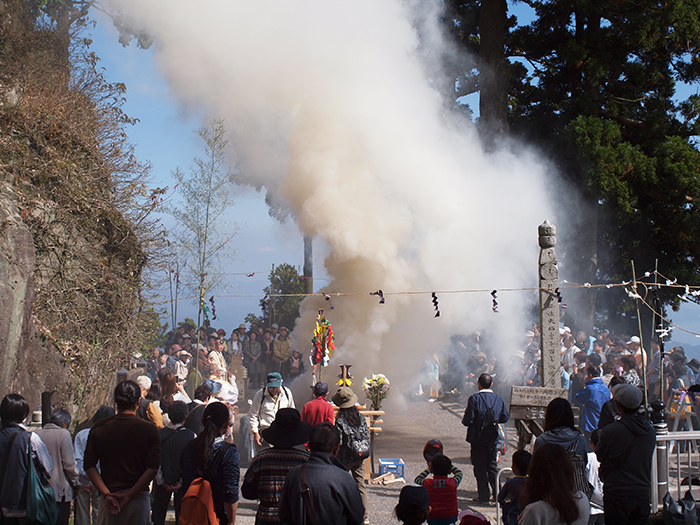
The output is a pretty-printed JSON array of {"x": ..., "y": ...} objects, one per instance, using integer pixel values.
[
  {"x": 357, "y": 442},
  {"x": 488, "y": 432},
  {"x": 198, "y": 502},
  {"x": 581, "y": 483}
]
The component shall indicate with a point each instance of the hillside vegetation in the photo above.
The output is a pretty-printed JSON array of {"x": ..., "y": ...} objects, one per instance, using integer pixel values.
[{"x": 74, "y": 216}]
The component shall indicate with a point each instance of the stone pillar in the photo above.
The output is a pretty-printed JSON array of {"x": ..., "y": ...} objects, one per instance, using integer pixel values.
[{"x": 549, "y": 306}]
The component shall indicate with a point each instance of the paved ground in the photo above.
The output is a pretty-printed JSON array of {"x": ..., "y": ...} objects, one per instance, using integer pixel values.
[{"x": 404, "y": 435}]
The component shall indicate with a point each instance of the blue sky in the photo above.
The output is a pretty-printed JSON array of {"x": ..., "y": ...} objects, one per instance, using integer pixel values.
[{"x": 165, "y": 137}]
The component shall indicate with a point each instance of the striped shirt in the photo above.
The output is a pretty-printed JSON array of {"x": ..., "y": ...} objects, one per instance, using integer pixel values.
[{"x": 265, "y": 477}]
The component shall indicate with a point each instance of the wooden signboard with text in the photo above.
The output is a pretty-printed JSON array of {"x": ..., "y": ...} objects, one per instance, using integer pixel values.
[{"x": 527, "y": 402}]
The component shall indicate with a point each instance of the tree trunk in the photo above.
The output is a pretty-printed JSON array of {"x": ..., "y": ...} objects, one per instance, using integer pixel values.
[{"x": 493, "y": 75}]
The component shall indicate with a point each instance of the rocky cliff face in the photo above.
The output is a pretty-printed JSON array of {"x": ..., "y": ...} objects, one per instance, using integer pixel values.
[
  {"x": 71, "y": 257},
  {"x": 29, "y": 365}
]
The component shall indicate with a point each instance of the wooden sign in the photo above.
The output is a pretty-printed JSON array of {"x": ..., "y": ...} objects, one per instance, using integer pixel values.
[
  {"x": 528, "y": 402},
  {"x": 535, "y": 396}
]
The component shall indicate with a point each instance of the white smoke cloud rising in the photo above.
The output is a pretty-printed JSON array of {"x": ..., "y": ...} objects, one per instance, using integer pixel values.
[{"x": 329, "y": 105}]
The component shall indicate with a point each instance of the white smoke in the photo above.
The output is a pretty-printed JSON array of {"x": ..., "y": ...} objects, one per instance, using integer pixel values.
[{"x": 329, "y": 107}]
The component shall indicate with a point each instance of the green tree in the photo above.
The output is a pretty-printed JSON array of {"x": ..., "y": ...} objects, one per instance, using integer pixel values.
[
  {"x": 284, "y": 279},
  {"x": 598, "y": 98},
  {"x": 204, "y": 197}
]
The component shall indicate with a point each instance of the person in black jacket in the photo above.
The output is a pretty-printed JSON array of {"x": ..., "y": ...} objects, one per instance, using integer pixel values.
[
  {"x": 625, "y": 450},
  {"x": 483, "y": 452},
  {"x": 609, "y": 413},
  {"x": 334, "y": 497},
  {"x": 169, "y": 479}
]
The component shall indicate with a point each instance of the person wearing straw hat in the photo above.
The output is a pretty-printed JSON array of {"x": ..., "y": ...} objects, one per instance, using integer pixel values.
[
  {"x": 354, "y": 435},
  {"x": 265, "y": 476}
]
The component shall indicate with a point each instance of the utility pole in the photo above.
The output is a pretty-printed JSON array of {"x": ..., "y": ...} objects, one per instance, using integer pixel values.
[{"x": 309, "y": 263}]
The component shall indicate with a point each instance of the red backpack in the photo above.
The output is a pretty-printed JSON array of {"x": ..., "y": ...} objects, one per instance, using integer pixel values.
[{"x": 198, "y": 503}]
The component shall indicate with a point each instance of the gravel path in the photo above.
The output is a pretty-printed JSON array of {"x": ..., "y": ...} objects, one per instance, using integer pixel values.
[{"x": 404, "y": 435}]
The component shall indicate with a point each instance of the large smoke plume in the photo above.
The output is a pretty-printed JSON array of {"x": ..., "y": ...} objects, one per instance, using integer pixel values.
[{"x": 332, "y": 111}]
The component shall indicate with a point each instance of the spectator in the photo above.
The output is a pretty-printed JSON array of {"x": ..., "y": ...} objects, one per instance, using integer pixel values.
[
  {"x": 635, "y": 349},
  {"x": 216, "y": 356},
  {"x": 173, "y": 440},
  {"x": 626, "y": 474},
  {"x": 196, "y": 409},
  {"x": 182, "y": 369},
  {"x": 483, "y": 449},
  {"x": 592, "y": 397},
  {"x": 609, "y": 413},
  {"x": 87, "y": 496},
  {"x": 281, "y": 351},
  {"x": 597, "y": 515},
  {"x": 608, "y": 372},
  {"x": 267, "y": 344},
  {"x": 353, "y": 430},
  {"x": 333, "y": 497},
  {"x": 265, "y": 476},
  {"x": 200, "y": 454},
  {"x": 413, "y": 507},
  {"x": 171, "y": 391},
  {"x": 548, "y": 496},
  {"x": 266, "y": 402},
  {"x": 153, "y": 364},
  {"x": 509, "y": 495},
  {"x": 14, "y": 443},
  {"x": 146, "y": 410},
  {"x": 559, "y": 428},
  {"x": 125, "y": 472},
  {"x": 442, "y": 492},
  {"x": 296, "y": 365},
  {"x": 318, "y": 410},
  {"x": 252, "y": 350},
  {"x": 431, "y": 449},
  {"x": 629, "y": 370},
  {"x": 599, "y": 349},
  {"x": 64, "y": 478}
]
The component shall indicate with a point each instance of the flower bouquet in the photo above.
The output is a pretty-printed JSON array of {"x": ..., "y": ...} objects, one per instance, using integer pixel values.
[{"x": 376, "y": 389}]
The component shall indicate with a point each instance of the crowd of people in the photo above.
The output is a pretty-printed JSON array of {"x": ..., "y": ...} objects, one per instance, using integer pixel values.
[
  {"x": 308, "y": 466},
  {"x": 239, "y": 361},
  {"x": 456, "y": 370}
]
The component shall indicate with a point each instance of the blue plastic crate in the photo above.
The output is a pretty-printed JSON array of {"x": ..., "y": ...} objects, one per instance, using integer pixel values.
[{"x": 395, "y": 465}]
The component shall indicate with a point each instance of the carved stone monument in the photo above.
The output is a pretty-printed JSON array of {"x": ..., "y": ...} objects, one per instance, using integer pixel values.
[{"x": 549, "y": 306}]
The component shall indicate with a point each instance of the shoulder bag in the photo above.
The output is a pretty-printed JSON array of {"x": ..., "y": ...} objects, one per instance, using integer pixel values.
[{"x": 42, "y": 508}]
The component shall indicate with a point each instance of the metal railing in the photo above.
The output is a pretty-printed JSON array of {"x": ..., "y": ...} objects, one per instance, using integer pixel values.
[
  {"x": 672, "y": 462},
  {"x": 498, "y": 490}
]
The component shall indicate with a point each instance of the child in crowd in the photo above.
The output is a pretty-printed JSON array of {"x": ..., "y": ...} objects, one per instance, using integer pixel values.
[
  {"x": 414, "y": 505},
  {"x": 509, "y": 495},
  {"x": 442, "y": 491},
  {"x": 597, "y": 514},
  {"x": 432, "y": 448}
]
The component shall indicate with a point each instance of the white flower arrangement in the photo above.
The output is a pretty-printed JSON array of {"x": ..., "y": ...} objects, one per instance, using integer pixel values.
[{"x": 376, "y": 389}]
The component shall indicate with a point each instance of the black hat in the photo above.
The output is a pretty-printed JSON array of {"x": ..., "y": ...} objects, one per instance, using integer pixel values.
[
  {"x": 287, "y": 430},
  {"x": 320, "y": 389},
  {"x": 414, "y": 498}
]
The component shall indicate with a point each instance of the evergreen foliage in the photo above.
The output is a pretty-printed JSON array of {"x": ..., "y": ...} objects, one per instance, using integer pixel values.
[
  {"x": 598, "y": 97},
  {"x": 284, "y": 279}
]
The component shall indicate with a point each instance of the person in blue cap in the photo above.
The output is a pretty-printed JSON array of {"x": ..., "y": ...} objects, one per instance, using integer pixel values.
[{"x": 266, "y": 403}]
